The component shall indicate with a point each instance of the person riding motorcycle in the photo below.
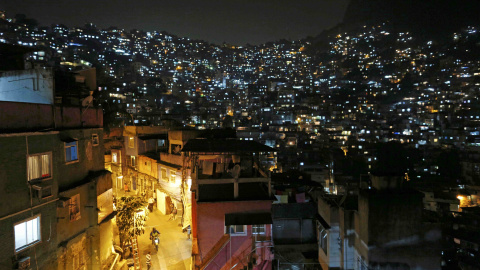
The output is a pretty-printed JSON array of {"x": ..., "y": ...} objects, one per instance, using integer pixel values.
[{"x": 154, "y": 234}]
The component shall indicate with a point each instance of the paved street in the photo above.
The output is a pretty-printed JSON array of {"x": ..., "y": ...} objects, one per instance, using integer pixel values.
[{"x": 174, "y": 251}]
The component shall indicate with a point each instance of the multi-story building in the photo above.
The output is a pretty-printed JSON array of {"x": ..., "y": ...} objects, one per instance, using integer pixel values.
[
  {"x": 385, "y": 226},
  {"x": 231, "y": 204},
  {"x": 56, "y": 200}
]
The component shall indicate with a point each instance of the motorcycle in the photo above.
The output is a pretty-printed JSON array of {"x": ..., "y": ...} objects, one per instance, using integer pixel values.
[{"x": 156, "y": 241}]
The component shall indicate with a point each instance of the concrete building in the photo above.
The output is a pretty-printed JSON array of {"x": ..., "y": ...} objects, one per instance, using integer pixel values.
[
  {"x": 231, "y": 204},
  {"x": 383, "y": 227},
  {"x": 56, "y": 200}
]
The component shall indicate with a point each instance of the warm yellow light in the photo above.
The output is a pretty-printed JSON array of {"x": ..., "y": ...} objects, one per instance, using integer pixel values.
[{"x": 460, "y": 197}]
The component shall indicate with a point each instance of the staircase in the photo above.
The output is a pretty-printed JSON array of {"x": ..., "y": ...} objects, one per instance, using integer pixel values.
[
  {"x": 136, "y": 255},
  {"x": 215, "y": 251}
]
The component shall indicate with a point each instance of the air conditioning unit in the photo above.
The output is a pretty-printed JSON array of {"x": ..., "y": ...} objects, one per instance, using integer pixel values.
[
  {"x": 42, "y": 191},
  {"x": 24, "y": 263}
]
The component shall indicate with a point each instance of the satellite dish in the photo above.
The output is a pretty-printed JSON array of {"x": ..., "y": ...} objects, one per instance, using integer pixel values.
[{"x": 87, "y": 101}]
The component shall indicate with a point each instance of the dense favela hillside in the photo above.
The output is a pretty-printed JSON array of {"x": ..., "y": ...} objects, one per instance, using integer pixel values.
[
  {"x": 374, "y": 82},
  {"x": 364, "y": 99}
]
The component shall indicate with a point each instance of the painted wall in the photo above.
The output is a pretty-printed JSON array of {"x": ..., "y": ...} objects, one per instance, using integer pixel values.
[
  {"x": 28, "y": 86},
  {"x": 211, "y": 221},
  {"x": 131, "y": 151},
  {"x": 161, "y": 203},
  {"x": 42, "y": 254},
  {"x": 17, "y": 197},
  {"x": 27, "y": 116}
]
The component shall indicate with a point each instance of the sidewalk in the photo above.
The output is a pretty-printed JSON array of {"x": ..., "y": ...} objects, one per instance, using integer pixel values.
[{"x": 174, "y": 250}]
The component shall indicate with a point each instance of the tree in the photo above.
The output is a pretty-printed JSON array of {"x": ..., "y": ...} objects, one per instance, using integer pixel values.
[{"x": 129, "y": 222}]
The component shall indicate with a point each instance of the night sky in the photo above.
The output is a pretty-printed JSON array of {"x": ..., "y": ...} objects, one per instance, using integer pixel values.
[{"x": 233, "y": 21}]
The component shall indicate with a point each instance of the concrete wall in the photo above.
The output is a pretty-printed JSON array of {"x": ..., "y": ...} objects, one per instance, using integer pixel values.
[
  {"x": 129, "y": 151},
  {"x": 14, "y": 189},
  {"x": 161, "y": 202},
  {"x": 28, "y": 86},
  {"x": 105, "y": 233},
  {"x": 90, "y": 157},
  {"x": 145, "y": 146},
  {"x": 392, "y": 232},
  {"x": 68, "y": 227},
  {"x": 15, "y": 116},
  {"x": 71, "y": 178},
  {"x": 42, "y": 254},
  {"x": 147, "y": 166}
]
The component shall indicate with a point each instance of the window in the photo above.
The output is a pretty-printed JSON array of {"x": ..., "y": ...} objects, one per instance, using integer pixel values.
[
  {"x": 131, "y": 142},
  {"x": 71, "y": 151},
  {"x": 164, "y": 174},
  {"x": 114, "y": 158},
  {"x": 160, "y": 143},
  {"x": 95, "y": 140},
  {"x": 322, "y": 237},
  {"x": 133, "y": 162},
  {"x": 236, "y": 230},
  {"x": 39, "y": 166},
  {"x": 258, "y": 229},
  {"x": 27, "y": 233},
  {"x": 173, "y": 176}
]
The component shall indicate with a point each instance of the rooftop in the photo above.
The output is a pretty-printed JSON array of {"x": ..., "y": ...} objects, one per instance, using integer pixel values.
[{"x": 222, "y": 146}]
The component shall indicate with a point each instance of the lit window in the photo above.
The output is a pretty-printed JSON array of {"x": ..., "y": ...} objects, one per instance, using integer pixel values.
[
  {"x": 27, "y": 233},
  {"x": 258, "y": 229},
  {"x": 39, "y": 166},
  {"x": 131, "y": 141},
  {"x": 71, "y": 151},
  {"x": 236, "y": 230},
  {"x": 173, "y": 176},
  {"x": 114, "y": 157},
  {"x": 160, "y": 143},
  {"x": 164, "y": 174}
]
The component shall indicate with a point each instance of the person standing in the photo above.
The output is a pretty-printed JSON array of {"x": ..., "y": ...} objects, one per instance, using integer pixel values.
[
  {"x": 174, "y": 213},
  {"x": 151, "y": 201},
  {"x": 154, "y": 198},
  {"x": 149, "y": 260}
]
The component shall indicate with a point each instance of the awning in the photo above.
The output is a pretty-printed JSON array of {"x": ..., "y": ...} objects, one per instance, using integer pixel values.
[
  {"x": 248, "y": 219},
  {"x": 68, "y": 139}
]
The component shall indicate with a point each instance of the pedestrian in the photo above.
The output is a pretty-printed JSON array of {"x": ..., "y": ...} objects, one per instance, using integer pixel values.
[
  {"x": 171, "y": 211},
  {"x": 189, "y": 231},
  {"x": 149, "y": 260},
  {"x": 154, "y": 198},
  {"x": 126, "y": 188},
  {"x": 174, "y": 213},
  {"x": 150, "y": 204}
]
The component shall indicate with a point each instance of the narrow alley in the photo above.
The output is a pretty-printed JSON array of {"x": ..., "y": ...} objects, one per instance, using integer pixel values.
[{"x": 174, "y": 251}]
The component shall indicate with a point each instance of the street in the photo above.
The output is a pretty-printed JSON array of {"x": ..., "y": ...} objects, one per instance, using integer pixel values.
[{"x": 174, "y": 250}]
